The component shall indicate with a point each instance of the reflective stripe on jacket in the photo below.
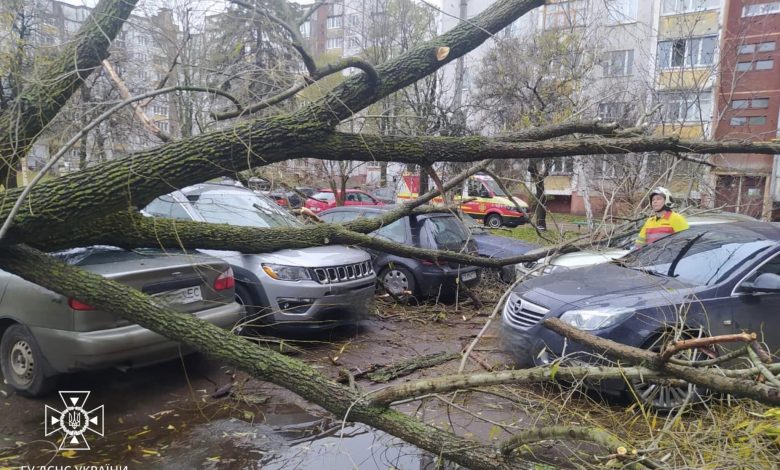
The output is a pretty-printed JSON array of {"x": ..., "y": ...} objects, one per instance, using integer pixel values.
[{"x": 658, "y": 227}]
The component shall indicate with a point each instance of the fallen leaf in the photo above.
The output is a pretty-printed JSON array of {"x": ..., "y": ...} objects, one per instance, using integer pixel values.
[{"x": 442, "y": 53}]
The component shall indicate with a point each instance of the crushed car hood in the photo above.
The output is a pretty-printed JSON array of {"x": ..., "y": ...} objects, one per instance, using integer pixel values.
[{"x": 603, "y": 284}]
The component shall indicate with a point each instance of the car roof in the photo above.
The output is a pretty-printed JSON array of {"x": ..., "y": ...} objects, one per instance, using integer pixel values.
[
  {"x": 764, "y": 230},
  {"x": 380, "y": 209},
  {"x": 200, "y": 188}
]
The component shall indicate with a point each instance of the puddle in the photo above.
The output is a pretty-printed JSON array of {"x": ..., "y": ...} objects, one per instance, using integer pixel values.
[{"x": 230, "y": 434}]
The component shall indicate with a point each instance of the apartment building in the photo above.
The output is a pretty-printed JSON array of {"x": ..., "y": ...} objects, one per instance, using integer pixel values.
[
  {"x": 699, "y": 69},
  {"x": 141, "y": 56},
  {"x": 747, "y": 106}
]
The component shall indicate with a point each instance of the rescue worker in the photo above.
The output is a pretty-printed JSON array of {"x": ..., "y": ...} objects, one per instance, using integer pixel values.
[{"x": 664, "y": 222}]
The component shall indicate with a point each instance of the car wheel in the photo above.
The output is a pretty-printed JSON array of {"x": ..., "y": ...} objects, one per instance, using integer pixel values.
[
  {"x": 251, "y": 312},
  {"x": 494, "y": 220},
  {"x": 23, "y": 365},
  {"x": 398, "y": 281},
  {"x": 671, "y": 396}
]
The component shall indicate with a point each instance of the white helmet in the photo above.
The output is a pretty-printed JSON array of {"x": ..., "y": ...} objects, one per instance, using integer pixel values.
[{"x": 661, "y": 191}]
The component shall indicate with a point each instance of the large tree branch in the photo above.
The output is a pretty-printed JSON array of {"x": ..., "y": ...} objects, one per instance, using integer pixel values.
[
  {"x": 429, "y": 150},
  {"x": 48, "y": 91},
  {"x": 261, "y": 363},
  {"x": 739, "y": 387},
  {"x": 138, "y": 179},
  {"x": 131, "y": 230}
]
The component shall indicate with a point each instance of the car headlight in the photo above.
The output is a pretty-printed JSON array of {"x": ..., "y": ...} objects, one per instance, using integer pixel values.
[
  {"x": 286, "y": 273},
  {"x": 595, "y": 319}
]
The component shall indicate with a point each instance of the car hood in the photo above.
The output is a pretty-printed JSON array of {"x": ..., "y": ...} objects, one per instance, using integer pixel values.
[
  {"x": 493, "y": 246},
  {"x": 314, "y": 257},
  {"x": 586, "y": 258},
  {"x": 508, "y": 202},
  {"x": 602, "y": 285}
]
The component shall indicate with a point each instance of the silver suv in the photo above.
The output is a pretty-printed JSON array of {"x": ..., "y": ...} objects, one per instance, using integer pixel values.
[{"x": 301, "y": 288}]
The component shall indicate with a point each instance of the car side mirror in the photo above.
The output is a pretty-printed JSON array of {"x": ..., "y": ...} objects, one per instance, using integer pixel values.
[{"x": 766, "y": 282}]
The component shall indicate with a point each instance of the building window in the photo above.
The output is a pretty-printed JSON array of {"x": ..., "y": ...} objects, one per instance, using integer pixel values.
[
  {"x": 160, "y": 109},
  {"x": 696, "y": 52},
  {"x": 617, "y": 63},
  {"x": 615, "y": 112},
  {"x": 744, "y": 66},
  {"x": 305, "y": 29},
  {"x": 755, "y": 103},
  {"x": 562, "y": 166},
  {"x": 621, "y": 11},
  {"x": 336, "y": 9},
  {"x": 354, "y": 43},
  {"x": 334, "y": 43},
  {"x": 335, "y": 22},
  {"x": 761, "y": 9},
  {"x": 751, "y": 120},
  {"x": 757, "y": 120},
  {"x": 756, "y": 65},
  {"x": 766, "y": 46},
  {"x": 163, "y": 126},
  {"x": 686, "y": 107},
  {"x": 673, "y": 7},
  {"x": 564, "y": 14},
  {"x": 759, "y": 103}
]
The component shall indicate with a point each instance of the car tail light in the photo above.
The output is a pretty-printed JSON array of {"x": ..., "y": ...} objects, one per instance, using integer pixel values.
[
  {"x": 79, "y": 305},
  {"x": 225, "y": 280}
]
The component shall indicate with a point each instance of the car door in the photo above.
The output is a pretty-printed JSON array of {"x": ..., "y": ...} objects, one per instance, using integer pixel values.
[
  {"x": 758, "y": 312},
  {"x": 366, "y": 200}
]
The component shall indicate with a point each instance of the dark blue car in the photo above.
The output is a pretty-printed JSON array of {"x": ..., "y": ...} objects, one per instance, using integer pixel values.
[
  {"x": 707, "y": 280},
  {"x": 423, "y": 278},
  {"x": 494, "y": 246}
]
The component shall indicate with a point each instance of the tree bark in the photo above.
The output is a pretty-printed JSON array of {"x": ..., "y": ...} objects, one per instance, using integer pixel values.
[
  {"x": 48, "y": 92},
  {"x": 261, "y": 363}
]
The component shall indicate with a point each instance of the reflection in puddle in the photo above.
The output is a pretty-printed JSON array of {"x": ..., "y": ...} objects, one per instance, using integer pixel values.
[{"x": 291, "y": 438}]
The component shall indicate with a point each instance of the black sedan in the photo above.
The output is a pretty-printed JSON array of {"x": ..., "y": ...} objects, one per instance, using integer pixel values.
[
  {"x": 495, "y": 246},
  {"x": 707, "y": 280},
  {"x": 422, "y": 278}
]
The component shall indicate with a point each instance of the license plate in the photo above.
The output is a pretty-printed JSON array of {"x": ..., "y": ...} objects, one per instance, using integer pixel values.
[
  {"x": 187, "y": 295},
  {"x": 468, "y": 276}
]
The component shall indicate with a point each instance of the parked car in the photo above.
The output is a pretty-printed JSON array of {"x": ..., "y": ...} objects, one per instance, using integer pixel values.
[
  {"x": 387, "y": 194},
  {"x": 494, "y": 246},
  {"x": 401, "y": 275},
  {"x": 326, "y": 199},
  {"x": 482, "y": 198},
  {"x": 45, "y": 334},
  {"x": 611, "y": 248},
  {"x": 708, "y": 280},
  {"x": 286, "y": 199},
  {"x": 317, "y": 287}
]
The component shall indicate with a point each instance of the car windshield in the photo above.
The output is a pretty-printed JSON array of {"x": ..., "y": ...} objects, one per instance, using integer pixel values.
[
  {"x": 700, "y": 257},
  {"x": 493, "y": 187},
  {"x": 472, "y": 224},
  {"x": 242, "y": 208},
  {"x": 448, "y": 232},
  {"x": 322, "y": 196}
]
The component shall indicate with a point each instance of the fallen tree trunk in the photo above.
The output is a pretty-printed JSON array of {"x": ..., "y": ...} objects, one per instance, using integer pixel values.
[{"x": 261, "y": 363}]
